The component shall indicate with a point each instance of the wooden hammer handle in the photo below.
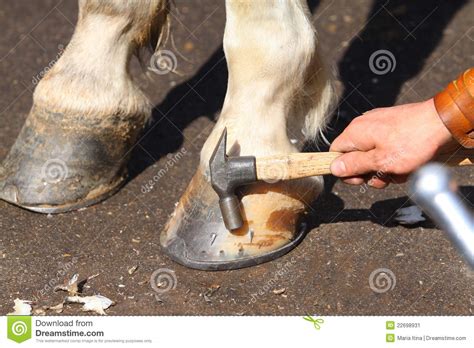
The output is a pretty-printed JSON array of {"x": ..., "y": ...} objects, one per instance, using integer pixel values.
[{"x": 305, "y": 164}]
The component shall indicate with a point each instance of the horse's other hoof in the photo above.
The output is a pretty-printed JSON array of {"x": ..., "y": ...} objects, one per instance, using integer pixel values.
[
  {"x": 87, "y": 112},
  {"x": 274, "y": 223},
  {"x": 62, "y": 162}
]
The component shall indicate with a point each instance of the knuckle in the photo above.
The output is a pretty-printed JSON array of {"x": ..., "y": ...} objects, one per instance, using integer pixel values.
[
  {"x": 379, "y": 161},
  {"x": 337, "y": 143},
  {"x": 343, "y": 142},
  {"x": 398, "y": 170},
  {"x": 357, "y": 122}
]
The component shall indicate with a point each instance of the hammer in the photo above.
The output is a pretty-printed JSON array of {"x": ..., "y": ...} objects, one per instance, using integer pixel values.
[{"x": 228, "y": 173}]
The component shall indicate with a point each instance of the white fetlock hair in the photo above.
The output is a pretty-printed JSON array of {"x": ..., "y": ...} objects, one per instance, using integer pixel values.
[
  {"x": 146, "y": 18},
  {"x": 312, "y": 102},
  {"x": 91, "y": 77}
]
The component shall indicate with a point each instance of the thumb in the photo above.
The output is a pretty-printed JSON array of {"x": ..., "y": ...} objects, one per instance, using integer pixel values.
[{"x": 354, "y": 164}]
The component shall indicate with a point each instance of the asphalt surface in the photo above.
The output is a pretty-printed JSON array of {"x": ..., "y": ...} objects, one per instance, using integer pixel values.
[{"x": 354, "y": 232}]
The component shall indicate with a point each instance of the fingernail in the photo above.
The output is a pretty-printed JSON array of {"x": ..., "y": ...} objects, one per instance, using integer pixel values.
[{"x": 338, "y": 168}]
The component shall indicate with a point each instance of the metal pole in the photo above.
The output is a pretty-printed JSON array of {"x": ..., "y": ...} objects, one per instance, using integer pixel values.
[{"x": 435, "y": 191}]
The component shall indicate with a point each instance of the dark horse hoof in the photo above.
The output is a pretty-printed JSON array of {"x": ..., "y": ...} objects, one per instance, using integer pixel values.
[{"x": 62, "y": 162}]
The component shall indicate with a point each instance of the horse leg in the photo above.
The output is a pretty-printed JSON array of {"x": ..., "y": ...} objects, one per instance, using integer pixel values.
[{"x": 278, "y": 94}]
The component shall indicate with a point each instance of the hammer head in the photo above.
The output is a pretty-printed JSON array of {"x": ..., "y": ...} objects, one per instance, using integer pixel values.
[{"x": 228, "y": 173}]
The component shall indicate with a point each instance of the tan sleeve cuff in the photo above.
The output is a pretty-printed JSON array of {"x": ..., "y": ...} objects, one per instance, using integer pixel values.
[{"x": 455, "y": 107}]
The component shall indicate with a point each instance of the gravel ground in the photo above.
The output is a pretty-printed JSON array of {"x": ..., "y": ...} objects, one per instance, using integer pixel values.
[{"x": 354, "y": 232}]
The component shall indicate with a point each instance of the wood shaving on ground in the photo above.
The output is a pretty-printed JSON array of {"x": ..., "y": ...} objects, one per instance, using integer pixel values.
[
  {"x": 43, "y": 309},
  {"x": 132, "y": 270},
  {"x": 39, "y": 311},
  {"x": 96, "y": 303},
  {"x": 409, "y": 215},
  {"x": 71, "y": 286},
  {"x": 21, "y": 307},
  {"x": 210, "y": 291},
  {"x": 93, "y": 276},
  {"x": 57, "y": 308},
  {"x": 279, "y": 291}
]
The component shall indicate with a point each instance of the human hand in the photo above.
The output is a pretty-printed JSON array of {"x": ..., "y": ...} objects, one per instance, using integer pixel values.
[{"x": 385, "y": 145}]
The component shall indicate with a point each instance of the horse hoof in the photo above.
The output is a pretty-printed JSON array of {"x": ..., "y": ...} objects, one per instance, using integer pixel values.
[
  {"x": 64, "y": 161},
  {"x": 274, "y": 223}
]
